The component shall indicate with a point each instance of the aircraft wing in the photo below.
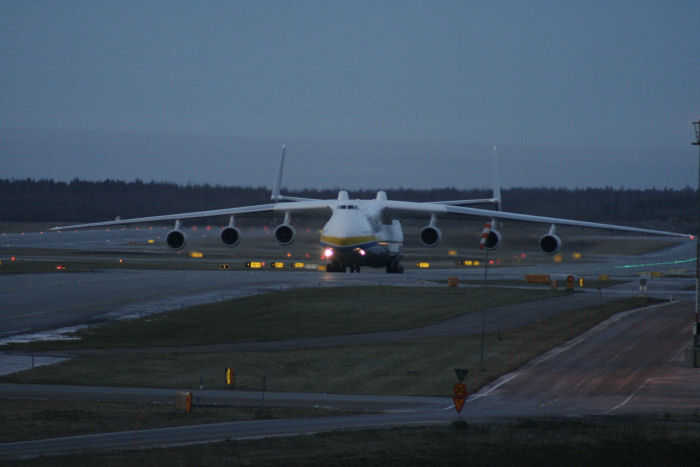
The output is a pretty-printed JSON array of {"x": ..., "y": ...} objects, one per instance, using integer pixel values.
[
  {"x": 301, "y": 207},
  {"x": 464, "y": 202},
  {"x": 444, "y": 209}
]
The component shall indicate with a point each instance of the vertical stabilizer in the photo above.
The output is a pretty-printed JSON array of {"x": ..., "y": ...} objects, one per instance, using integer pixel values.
[
  {"x": 496, "y": 188},
  {"x": 278, "y": 182},
  {"x": 496, "y": 184}
]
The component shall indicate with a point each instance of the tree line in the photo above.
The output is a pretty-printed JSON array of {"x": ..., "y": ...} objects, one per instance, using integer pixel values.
[{"x": 31, "y": 200}]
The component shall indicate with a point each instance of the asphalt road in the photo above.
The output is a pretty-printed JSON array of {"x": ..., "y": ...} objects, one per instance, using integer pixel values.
[{"x": 632, "y": 362}]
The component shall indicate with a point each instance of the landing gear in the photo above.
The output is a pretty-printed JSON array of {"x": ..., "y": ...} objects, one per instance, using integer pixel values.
[
  {"x": 394, "y": 267},
  {"x": 335, "y": 267}
]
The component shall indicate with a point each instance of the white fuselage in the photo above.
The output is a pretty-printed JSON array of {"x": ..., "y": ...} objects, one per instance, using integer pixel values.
[{"x": 355, "y": 235}]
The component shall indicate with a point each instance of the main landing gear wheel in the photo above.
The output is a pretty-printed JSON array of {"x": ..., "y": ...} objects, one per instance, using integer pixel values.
[{"x": 394, "y": 268}]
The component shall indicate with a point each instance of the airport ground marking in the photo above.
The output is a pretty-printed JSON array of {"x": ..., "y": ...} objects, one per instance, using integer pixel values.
[
  {"x": 629, "y": 398},
  {"x": 492, "y": 388}
]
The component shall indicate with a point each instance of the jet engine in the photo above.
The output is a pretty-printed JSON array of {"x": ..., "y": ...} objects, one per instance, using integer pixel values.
[
  {"x": 284, "y": 234},
  {"x": 176, "y": 239},
  {"x": 231, "y": 236},
  {"x": 493, "y": 240},
  {"x": 430, "y": 235},
  {"x": 550, "y": 243}
]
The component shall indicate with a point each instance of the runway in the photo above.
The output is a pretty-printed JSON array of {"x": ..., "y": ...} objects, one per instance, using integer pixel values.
[
  {"x": 631, "y": 363},
  {"x": 31, "y": 303}
]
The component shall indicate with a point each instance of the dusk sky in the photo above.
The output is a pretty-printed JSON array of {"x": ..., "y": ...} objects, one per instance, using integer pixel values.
[{"x": 378, "y": 94}]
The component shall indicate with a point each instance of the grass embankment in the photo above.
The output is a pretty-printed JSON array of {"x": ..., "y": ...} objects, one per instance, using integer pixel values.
[
  {"x": 419, "y": 366},
  {"x": 644, "y": 440},
  {"x": 296, "y": 314}
]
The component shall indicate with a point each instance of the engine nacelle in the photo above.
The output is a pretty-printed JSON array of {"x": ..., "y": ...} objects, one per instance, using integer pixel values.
[
  {"x": 284, "y": 234},
  {"x": 176, "y": 239},
  {"x": 430, "y": 235},
  {"x": 550, "y": 243},
  {"x": 493, "y": 241},
  {"x": 231, "y": 236}
]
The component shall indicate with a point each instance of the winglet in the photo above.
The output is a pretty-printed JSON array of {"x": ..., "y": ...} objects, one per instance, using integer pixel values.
[{"x": 276, "y": 188}]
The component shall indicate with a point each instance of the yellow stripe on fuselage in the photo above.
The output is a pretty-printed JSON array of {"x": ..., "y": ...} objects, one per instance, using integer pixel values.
[{"x": 347, "y": 241}]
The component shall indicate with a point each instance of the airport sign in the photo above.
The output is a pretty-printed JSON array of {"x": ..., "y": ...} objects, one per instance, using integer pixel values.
[{"x": 461, "y": 374}]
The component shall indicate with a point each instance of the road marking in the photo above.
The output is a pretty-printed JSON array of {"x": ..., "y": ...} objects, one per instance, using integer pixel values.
[
  {"x": 629, "y": 398},
  {"x": 595, "y": 329},
  {"x": 493, "y": 388}
]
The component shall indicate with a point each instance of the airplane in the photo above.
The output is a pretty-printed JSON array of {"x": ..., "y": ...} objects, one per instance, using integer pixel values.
[{"x": 366, "y": 232}]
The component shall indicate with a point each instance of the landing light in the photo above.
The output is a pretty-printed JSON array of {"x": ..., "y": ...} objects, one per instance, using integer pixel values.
[
  {"x": 328, "y": 252},
  {"x": 361, "y": 251}
]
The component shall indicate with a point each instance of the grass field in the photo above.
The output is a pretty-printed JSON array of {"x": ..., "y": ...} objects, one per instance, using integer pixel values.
[
  {"x": 643, "y": 440},
  {"x": 128, "y": 353},
  {"x": 295, "y": 314},
  {"x": 123, "y": 354}
]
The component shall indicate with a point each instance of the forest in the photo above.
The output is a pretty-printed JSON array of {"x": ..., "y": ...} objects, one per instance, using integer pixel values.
[{"x": 30, "y": 200}]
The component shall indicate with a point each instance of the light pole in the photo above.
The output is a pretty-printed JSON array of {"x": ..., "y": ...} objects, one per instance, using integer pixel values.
[{"x": 696, "y": 330}]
